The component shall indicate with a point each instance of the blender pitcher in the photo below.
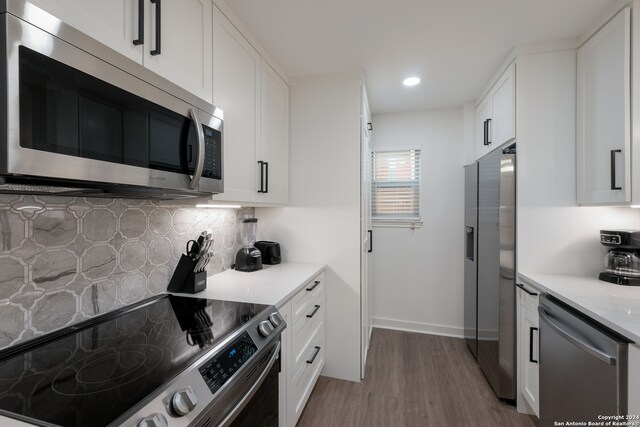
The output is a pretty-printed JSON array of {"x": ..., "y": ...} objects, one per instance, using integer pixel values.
[{"x": 248, "y": 257}]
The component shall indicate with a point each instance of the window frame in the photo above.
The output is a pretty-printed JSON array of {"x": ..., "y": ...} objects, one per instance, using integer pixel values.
[{"x": 398, "y": 222}]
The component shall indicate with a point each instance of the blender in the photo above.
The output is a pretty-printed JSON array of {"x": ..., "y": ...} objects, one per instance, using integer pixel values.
[{"x": 248, "y": 257}]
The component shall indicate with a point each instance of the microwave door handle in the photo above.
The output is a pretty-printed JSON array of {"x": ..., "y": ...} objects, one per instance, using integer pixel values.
[{"x": 197, "y": 173}]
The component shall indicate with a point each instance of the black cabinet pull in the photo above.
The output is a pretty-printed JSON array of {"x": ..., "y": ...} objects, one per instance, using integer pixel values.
[
  {"x": 613, "y": 169},
  {"x": 158, "y": 49},
  {"x": 140, "y": 39},
  {"x": 489, "y": 132},
  {"x": 315, "y": 285},
  {"x": 313, "y": 313},
  {"x": 370, "y": 240},
  {"x": 261, "y": 163},
  {"x": 485, "y": 140},
  {"x": 313, "y": 358},
  {"x": 266, "y": 179},
  {"x": 521, "y": 286},
  {"x": 369, "y": 126},
  {"x": 531, "y": 329}
]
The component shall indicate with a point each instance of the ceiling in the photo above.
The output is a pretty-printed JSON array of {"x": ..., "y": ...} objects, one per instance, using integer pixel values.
[{"x": 455, "y": 46}]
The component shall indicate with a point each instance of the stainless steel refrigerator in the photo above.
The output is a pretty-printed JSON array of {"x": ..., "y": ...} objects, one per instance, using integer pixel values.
[
  {"x": 495, "y": 259},
  {"x": 470, "y": 264}
]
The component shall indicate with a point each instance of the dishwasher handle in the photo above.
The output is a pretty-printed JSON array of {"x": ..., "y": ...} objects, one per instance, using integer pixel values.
[{"x": 544, "y": 316}]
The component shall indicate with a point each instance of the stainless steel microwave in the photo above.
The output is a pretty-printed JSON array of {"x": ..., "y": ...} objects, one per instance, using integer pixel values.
[{"x": 81, "y": 119}]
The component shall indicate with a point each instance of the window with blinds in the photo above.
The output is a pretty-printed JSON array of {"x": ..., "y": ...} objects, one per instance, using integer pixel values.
[{"x": 395, "y": 192}]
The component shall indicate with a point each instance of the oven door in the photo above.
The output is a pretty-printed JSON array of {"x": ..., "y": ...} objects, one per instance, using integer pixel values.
[
  {"x": 250, "y": 400},
  {"x": 73, "y": 116}
]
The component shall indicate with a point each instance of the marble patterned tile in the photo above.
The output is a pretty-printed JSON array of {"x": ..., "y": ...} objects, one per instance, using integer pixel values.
[
  {"x": 55, "y": 228},
  {"x": 53, "y": 311},
  {"x": 13, "y": 275},
  {"x": 99, "y": 225},
  {"x": 127, "y": 251},
  {"x": 54, "y": 268},
  {"x": 133, "y": 223},
  {"x": 12, "y": 324},
  {"x": 98, "y": 262},
  {"x": 12, "y": 230}
]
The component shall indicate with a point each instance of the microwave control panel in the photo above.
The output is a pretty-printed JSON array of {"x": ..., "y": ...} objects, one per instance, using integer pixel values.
[{"x": 212, "y": 153}]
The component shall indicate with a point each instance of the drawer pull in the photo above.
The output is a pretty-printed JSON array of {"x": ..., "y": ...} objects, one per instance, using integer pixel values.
[
  {"x": 315, "y": 285},
  {"x": 313, "y": 313},
  {"x": 313, "y": 358},
  {"x": 521, "y": 286}
]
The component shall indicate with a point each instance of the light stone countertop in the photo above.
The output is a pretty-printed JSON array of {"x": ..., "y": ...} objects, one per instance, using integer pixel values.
[
  {"x": 273, "y": 285},
  {"x": 615, "y": 306}
]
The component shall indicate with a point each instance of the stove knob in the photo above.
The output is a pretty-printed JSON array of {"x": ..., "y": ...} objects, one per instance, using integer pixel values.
[
  {"x": 155, "y": 420},
  {"x": 275, "y": 319},
  {"x": 184, "y": 401},
  {"x": 265, "y": 328}
]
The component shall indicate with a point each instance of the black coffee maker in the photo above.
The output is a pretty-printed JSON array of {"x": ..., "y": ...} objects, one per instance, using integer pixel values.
[{"x": 622, "y": 262}]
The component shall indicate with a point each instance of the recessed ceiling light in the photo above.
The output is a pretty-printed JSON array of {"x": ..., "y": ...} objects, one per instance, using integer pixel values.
[{"x": 411, "y": 81}]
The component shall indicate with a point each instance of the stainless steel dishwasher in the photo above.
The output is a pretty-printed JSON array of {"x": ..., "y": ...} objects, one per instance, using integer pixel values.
[{"x": 583, "y": 366}]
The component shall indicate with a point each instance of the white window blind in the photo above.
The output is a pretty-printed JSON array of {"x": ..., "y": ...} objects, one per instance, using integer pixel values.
[{"x": 395, "y": 192}]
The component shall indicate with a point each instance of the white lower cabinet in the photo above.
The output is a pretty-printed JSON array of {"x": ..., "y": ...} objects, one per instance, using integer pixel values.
[
  {"x": 302, "y": 348},
  {"x": 528, "y": 344}
]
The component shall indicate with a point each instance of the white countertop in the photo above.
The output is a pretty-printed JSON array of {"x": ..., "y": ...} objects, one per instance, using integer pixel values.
[
  {"x": 272, "y": 285},
  {"x": 615, "y": 306}
]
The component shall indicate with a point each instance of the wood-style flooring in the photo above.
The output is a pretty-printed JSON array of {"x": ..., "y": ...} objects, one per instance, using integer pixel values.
[{"x": 412, "y": 380}]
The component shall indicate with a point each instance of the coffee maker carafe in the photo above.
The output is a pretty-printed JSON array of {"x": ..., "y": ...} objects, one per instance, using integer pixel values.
[
  {"x": 248, "y": 257},
  {"x": 622, "y": 262}
]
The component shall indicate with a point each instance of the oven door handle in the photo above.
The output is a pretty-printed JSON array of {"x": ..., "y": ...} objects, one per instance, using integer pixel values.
[
  {"x": 252, "y": 391},
  {"x": 197, "y": 173}
]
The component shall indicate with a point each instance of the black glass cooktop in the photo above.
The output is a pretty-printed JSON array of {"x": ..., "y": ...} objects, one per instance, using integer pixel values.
[{"x": 92, "y": 374}]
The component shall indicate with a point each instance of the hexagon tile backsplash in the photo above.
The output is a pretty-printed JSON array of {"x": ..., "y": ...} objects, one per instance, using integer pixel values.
[{"x": 63, "y": 260}]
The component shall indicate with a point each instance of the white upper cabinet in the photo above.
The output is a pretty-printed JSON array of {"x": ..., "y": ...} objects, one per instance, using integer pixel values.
[
  {"x": 483, "y": 128},
  {"x": 255, "y": 101},
  {"x": 179, "y": 43},
  {"x": 113, "y": 23},
  {"x": 603, "y": 128},
  {"x": 274, "y": 135},
  {"x": 495, "y": 120},
  {"x": 174, "y": 40},
  {"x": 236, "y": 84},
  {"x": 503, "y": 101}
]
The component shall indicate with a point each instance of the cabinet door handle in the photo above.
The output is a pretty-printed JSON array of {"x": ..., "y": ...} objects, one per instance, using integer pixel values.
[
  {"x": 521, "y": 286},
  {"x": 531, "y": 329},
  {"x": 315, "y": 285},
  {"x": 158, "y": 49},
  {"x": 140, "y": 39},
  {"x": 613, "y": 169},
  {"x": 485, "y": 136},
  {"x": 313, "y": 313},
  {"x": 370, "y": 240},
  {"x": 313, "y": 358},
  {"x": 266, "y": 177},
  {"x": 261, "y": 163},
  {"x": 369, "y": 126},
  {"x": 489, "y": 132}
]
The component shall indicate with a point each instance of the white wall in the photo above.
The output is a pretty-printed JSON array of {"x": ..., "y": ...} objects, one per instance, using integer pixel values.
[
  {"x": 554, "y": 234},
  {"x": 418, "y": 274},
  {"x": 322, "y": 222}
]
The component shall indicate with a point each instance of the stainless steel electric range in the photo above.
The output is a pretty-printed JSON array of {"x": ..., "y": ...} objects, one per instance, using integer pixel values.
[{"x": 167, "y": 361}]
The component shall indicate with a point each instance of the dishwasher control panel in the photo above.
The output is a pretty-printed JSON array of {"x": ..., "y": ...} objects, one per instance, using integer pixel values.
[{"x": 216, "y": 371}]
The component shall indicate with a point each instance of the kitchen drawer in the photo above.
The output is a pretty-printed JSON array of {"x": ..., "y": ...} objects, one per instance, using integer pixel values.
[
  {"x": 304, "y": 332},
  {"x": 303, "y": 299},
  {"x": 305, "y": 379}
]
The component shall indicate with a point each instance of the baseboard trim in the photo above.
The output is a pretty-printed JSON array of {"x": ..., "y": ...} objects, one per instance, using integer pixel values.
[{"x": 423, "y": 328}]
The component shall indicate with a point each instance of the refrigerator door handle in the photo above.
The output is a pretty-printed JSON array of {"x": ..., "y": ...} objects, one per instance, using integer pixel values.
[{"x": 544, "y": 316}]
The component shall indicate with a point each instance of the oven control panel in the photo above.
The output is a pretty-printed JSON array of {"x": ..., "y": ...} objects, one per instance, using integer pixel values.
[{"x": 216, "y": 371}]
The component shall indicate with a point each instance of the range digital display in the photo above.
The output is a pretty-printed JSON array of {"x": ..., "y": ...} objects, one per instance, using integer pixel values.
[{"x": 216, "y": 371}]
